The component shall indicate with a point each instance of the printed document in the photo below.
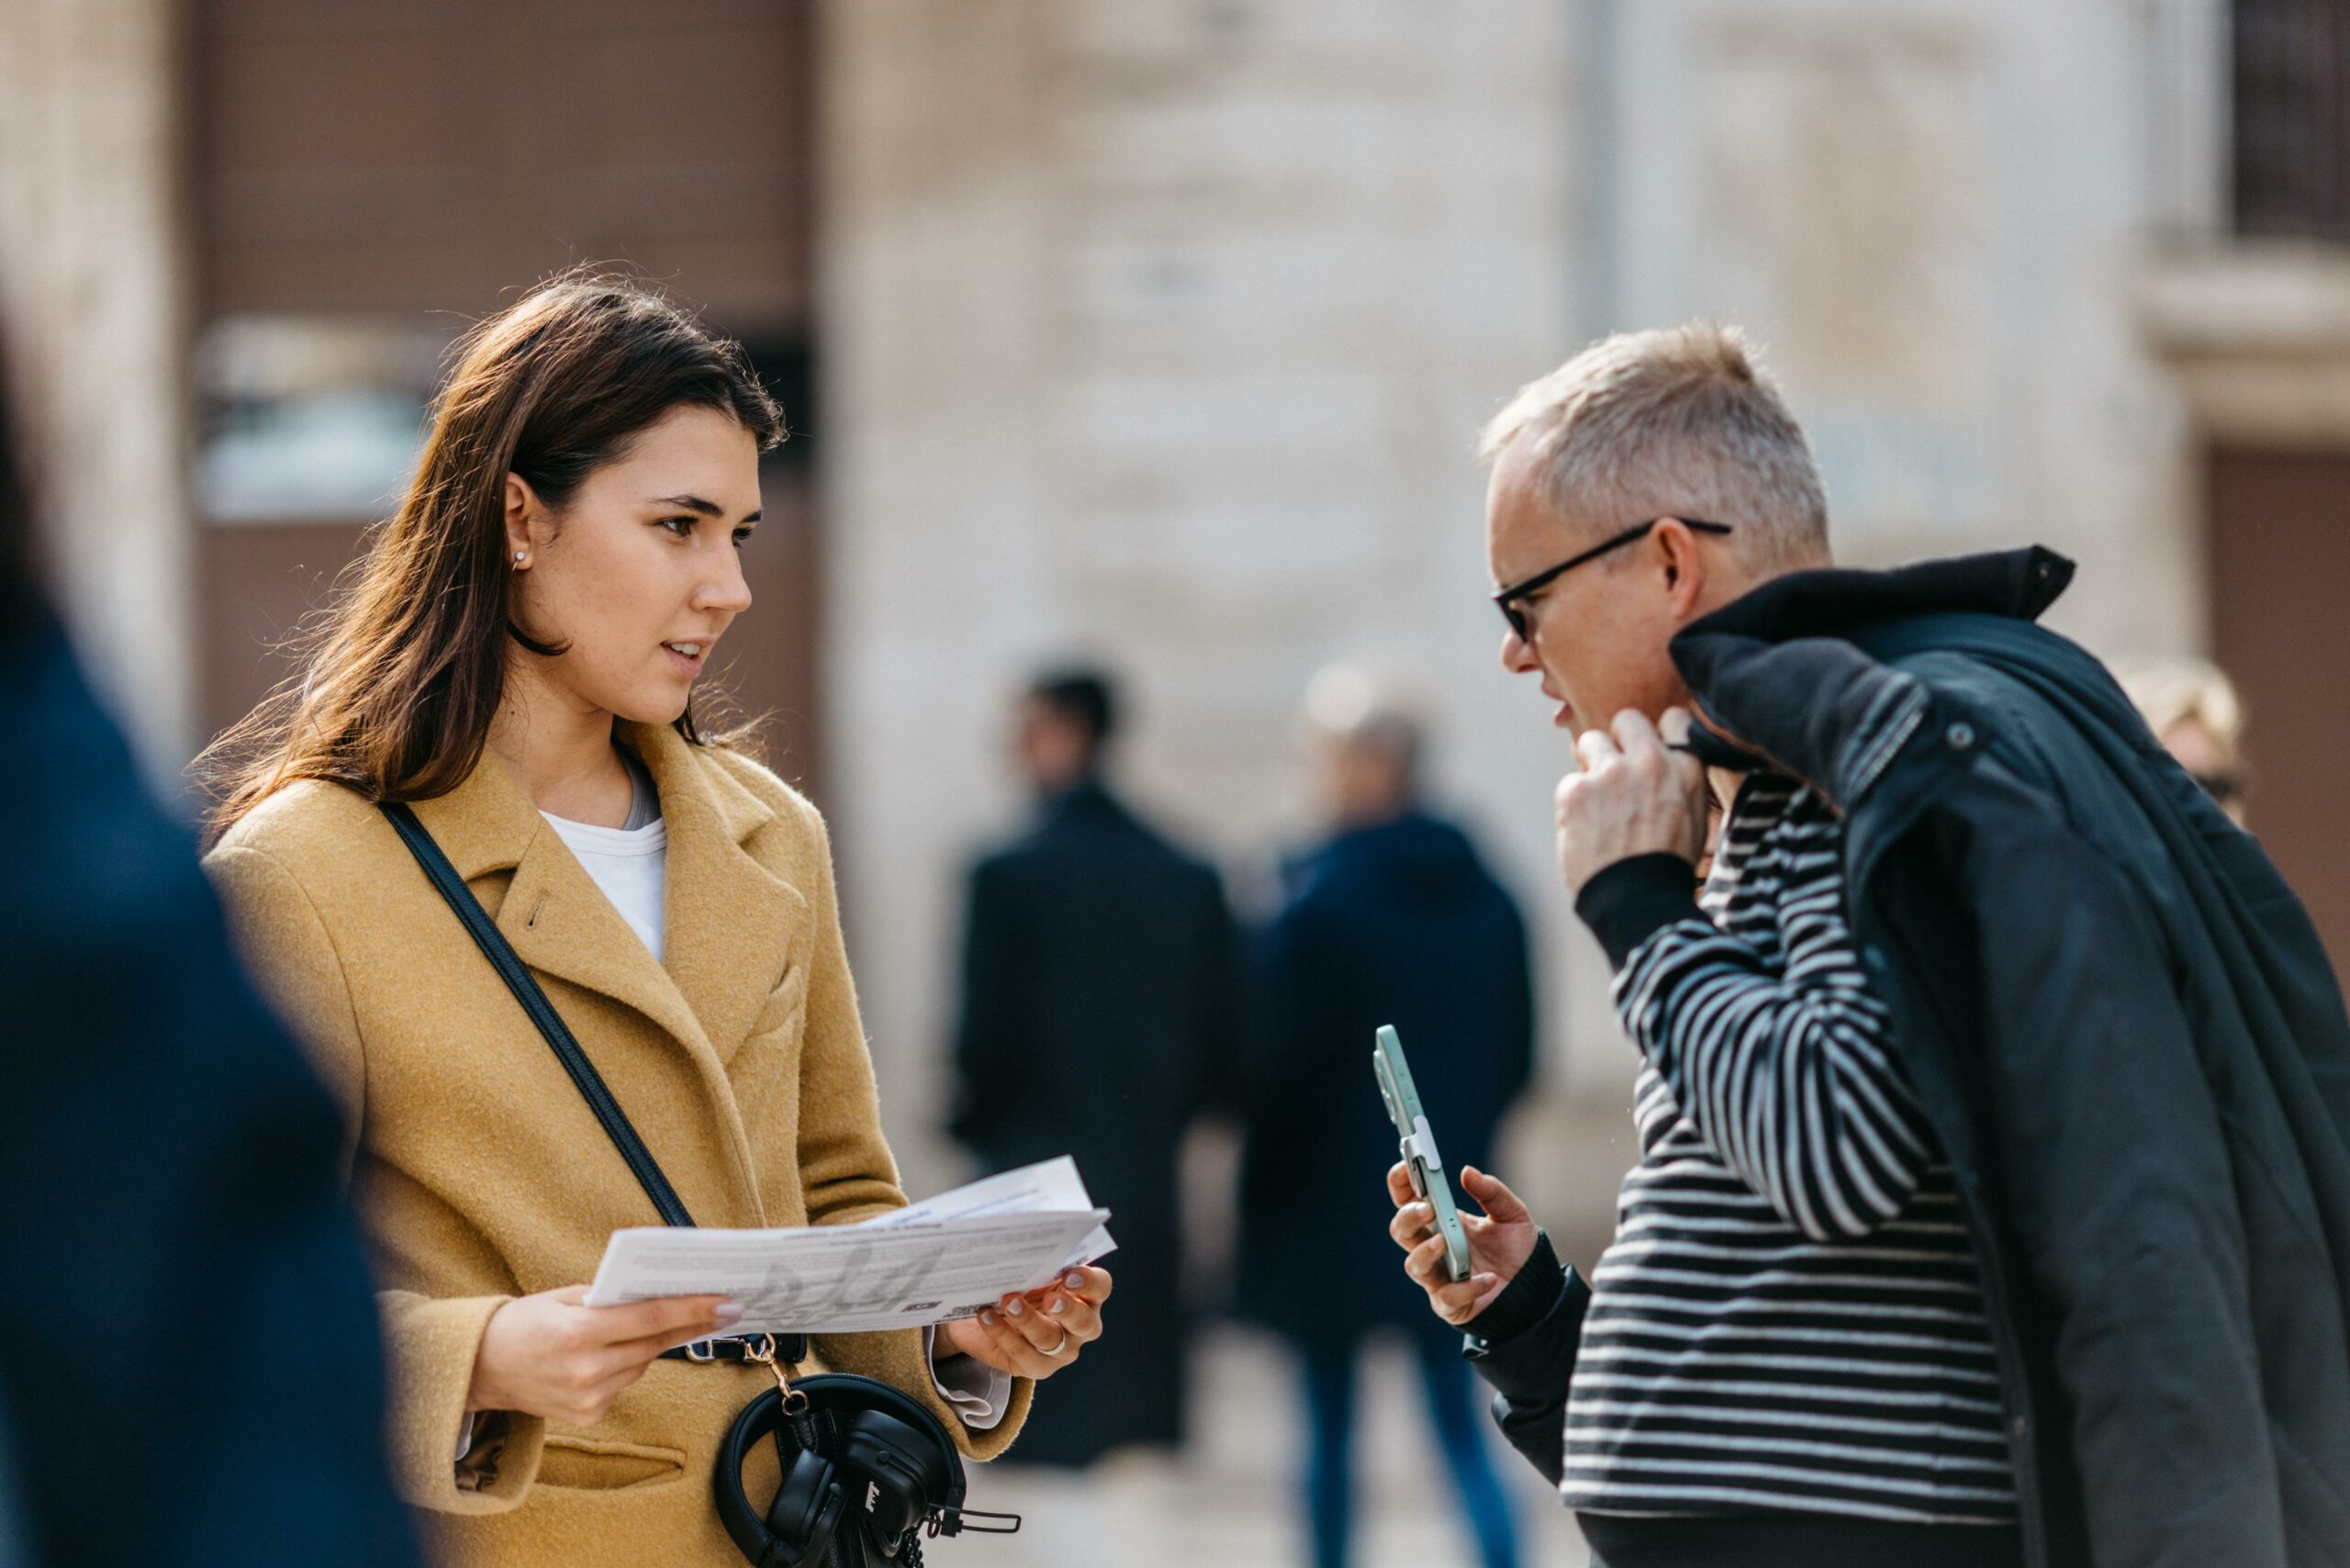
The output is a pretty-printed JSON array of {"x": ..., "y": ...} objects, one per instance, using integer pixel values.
[{"x": 945, "y": 1258}]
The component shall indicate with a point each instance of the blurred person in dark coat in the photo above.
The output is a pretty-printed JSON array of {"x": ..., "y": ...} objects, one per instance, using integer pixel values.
[
  {"x": 1393, "y": 919},
  {"x": 189, "y": 1368},
  {"x": 1101, "y": 981}
]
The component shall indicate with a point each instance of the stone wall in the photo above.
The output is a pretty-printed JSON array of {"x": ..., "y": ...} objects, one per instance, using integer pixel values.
[
  {"x": 1932, "y": 214},
  {"x": 1161, "y": 329},
  {"x": 91, "y": 302}
]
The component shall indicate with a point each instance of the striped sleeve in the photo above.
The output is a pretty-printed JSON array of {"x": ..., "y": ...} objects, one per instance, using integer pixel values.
[{"x": 1762, "y": 1026}]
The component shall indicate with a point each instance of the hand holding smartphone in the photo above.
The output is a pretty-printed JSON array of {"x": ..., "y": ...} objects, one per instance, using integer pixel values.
[{"x": 1417, "y": 1145}]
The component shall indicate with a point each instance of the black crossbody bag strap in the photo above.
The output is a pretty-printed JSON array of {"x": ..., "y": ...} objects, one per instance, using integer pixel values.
[{"x": 517, "y": 976}]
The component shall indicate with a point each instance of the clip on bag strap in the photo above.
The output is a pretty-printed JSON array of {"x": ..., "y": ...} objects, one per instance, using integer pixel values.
[{"x": 517, "y": 976}]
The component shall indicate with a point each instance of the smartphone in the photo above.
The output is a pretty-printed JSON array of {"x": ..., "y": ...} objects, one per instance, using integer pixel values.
[{"x": 1419, "y": 1147}]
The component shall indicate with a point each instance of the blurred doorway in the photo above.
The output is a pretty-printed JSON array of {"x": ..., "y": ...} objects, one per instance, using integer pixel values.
[
  {"x": 2279, "y": 546},
  {"x": 368, "y": 178}
]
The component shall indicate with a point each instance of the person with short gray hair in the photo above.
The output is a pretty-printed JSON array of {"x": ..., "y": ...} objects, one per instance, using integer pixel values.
[
  {"x": 1992, "y": 1204},
  {"x": 1391, "y": 918},
  {"x": 1367, "y": 733},
  {"x": 1677, "y": 421}
]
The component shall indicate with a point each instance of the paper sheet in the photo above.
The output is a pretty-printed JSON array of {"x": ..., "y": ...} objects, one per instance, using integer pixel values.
[
  {"x": 1050, "y": 1186},
  {"x": 945, "y": 1258}
]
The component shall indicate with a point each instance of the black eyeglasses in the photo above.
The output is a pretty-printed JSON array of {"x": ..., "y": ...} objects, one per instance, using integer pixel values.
[{"x": 1507, "y": 602}]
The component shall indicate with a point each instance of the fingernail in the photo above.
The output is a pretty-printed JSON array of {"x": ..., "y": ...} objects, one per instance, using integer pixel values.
[
  {"x": 1015, "y": 1307},
  {"x": 1075, "y": 1281},
  {"x": 729, "y": 1312},
  {"x": 1059, "y": 1301},
  {"x": 989, "y": 1318}
]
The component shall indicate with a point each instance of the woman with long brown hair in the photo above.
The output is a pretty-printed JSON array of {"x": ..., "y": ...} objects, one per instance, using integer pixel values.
[{"x": 516, "y": 657}]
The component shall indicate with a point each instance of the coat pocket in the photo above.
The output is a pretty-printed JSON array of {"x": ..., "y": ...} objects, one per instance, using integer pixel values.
[
  {"x": 586, "y": 1464},
  {"x": 766, "y": 1059},
  {"x": 786, "y": 1003}
]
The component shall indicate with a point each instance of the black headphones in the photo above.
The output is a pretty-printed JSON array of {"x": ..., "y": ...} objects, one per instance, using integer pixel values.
[{"x": 866, "y": 1469}]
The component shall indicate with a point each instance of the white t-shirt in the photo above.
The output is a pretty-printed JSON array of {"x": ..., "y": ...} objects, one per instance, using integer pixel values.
[{"x": 631, "y": 864}]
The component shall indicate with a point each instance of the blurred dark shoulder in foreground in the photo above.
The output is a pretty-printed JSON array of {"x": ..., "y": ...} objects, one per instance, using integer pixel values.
[{"x": 188, "y": 1346}]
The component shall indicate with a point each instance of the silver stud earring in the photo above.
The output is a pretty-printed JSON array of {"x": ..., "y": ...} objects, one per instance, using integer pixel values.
[{"x": 520, "y": 556}]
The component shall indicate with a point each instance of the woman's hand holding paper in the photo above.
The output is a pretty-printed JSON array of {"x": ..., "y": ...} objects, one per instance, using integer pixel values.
[{"x": 1038, "y": 1334}]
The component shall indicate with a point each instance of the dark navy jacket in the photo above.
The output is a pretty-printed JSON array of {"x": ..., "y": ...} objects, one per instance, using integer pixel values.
[
  {"x": 2125, "y": 1032},
  {"x": 188, "y": 1353},
  {"x": 1396, "y": 923}
]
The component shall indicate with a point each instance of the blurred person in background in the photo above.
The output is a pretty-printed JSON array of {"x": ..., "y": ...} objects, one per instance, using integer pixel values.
[
  {"x": 1100, "y": 1001},
  {"x": 190, "y": 1369},
  {"x": 1393, "y": 918},
  {"x": 2191, "y": 706},
  {"x": 1993, "y": 1200},
  {"x": 517, "y": 655}
]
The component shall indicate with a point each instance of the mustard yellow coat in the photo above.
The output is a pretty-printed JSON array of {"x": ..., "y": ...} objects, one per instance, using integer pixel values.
[{"x": 478, "y": 1173}]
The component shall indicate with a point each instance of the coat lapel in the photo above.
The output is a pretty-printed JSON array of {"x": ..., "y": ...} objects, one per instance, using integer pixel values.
[
  {"x": 734, "y": 927},
  {"x": 552, "y": 911},
  {"x": 731, "y": 926}
]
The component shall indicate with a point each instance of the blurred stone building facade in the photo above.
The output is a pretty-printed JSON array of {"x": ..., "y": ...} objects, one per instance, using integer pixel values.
[{"x": 1160, "y": 329}]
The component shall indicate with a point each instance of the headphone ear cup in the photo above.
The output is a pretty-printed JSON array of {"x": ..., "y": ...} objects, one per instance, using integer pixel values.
[
  {"x": 893, "y": 1467},
  {"x": 903, "y": 1474},
  {"x": 806, "y": 1509}
]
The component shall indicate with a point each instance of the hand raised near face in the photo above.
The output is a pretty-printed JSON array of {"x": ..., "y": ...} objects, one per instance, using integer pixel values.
[{"x": 1633, "y": 796}]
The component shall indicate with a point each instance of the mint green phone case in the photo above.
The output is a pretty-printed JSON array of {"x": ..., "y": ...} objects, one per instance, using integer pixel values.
[{"x": 1419, "y": 1147}]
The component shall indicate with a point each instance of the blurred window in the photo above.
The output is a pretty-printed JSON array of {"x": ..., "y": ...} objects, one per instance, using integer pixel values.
[
  {"x": 2293, "y": 117},
  {"x": 309, "y": 419}
]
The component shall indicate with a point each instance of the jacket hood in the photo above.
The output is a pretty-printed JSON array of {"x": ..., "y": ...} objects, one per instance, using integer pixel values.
[
  {"x": 2019, "y": 583},
  {"x": 1797, "y": 634}
]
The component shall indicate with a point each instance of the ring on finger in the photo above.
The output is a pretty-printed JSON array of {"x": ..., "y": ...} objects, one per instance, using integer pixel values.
[{"x": 1059, "y": 1347}]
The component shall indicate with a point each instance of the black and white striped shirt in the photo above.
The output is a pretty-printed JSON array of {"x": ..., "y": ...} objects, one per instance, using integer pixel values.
[{"x": 1790, "y": 1317}]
